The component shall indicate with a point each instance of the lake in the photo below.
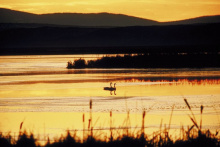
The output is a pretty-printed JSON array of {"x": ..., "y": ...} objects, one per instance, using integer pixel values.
[{"x": 49, "y": 98}]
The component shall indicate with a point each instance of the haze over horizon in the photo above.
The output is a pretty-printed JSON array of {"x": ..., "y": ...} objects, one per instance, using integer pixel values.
[{"x": 160, "y": 10}]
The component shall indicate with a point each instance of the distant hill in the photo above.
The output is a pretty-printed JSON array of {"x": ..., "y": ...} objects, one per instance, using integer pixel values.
[
  {"x": 74, "y": 19},
  {"x": 91, "y": 20},
  {"x": 197, "y": 20}
]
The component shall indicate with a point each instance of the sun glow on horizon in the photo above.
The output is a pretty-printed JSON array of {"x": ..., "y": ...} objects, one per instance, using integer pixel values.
[{"x": 159, "y": 10}]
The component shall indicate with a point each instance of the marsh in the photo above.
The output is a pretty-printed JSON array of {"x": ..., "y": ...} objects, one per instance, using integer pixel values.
[{"x": 49, "y": 98}]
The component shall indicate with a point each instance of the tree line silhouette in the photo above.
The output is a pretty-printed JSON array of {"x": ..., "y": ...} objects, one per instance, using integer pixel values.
[{"x": 156, "y": 60}]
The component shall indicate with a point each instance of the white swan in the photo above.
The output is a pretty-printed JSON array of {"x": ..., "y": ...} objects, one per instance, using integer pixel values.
[{"x": 110, "y": 88}]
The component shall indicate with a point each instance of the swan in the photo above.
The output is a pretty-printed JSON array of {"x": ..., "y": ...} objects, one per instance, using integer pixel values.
[{"x": 110, "y": 88}]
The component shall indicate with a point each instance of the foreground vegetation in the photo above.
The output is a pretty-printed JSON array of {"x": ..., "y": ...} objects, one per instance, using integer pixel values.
[
  {"x": 194, "y": 136},
  {"x": 204, "y": 139},
  {"x": 153, "y": 60}
]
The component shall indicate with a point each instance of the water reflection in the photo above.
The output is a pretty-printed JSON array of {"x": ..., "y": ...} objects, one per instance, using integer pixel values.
[
  {"x": 103, "y": 77},
  {"x": 175, "y": 80},
  {"x": 43, "y": 91}
]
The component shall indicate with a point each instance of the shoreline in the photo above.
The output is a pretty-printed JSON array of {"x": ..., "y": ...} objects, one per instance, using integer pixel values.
[{"x": 191, "y": 49}]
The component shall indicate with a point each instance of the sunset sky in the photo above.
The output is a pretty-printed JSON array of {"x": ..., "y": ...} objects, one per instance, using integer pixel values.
[{"x": 160, "y": 10}]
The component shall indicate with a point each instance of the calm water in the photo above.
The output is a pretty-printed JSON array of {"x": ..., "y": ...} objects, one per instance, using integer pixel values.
[{"x": 50, "y": 99}]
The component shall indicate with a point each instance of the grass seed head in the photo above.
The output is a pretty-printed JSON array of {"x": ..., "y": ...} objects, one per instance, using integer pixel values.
[
  {"x": 90, "y": 104},
  {"x": 21, "y": 125},
  {"x": 143, "y": 114},
  {"x": 201, "y": 108}
]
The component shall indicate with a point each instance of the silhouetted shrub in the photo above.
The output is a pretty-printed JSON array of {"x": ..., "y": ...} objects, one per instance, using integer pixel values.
[
  {"x": 4, "y": 142},
  {"x": 80, "y": 63},
  {"x": 26, "y": 141}
]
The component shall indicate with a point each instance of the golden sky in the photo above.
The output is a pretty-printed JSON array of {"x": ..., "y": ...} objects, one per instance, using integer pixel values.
[{"x": 160, "y": 10}]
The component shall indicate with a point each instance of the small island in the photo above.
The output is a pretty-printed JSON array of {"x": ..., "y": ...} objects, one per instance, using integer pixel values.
[{"x": 156, "y": 60}]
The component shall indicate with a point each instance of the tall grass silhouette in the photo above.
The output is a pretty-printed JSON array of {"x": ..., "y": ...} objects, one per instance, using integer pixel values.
[{"x": 195, "y": 135}]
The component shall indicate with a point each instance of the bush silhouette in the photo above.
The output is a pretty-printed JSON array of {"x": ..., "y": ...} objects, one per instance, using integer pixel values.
[{"x": 26, "y": 141}]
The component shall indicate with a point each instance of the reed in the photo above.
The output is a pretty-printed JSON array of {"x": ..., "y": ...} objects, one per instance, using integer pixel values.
[
  {"x": 193, "y": 119},
  {"x": 90, "y": 120},
  {"x": 143, "y": 118},
  {"x": 21, "y": 125},
  {"x": 192, "y": 116},
  {"x": 201, "y": 110},
  {"x": 83, "y": 119},
  {"x": 128, "y": 123},
  {"x": 171, "y": 117},
  {"x": 195, "y": 136},
  {"x": 111, "y": 135}
]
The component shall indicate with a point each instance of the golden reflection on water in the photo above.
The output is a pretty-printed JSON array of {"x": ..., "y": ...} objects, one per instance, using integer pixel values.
[
  {"x": 51, "y": 124},
  {"x": 50, "y": 99},
  {"x": 123, "y": 89}
]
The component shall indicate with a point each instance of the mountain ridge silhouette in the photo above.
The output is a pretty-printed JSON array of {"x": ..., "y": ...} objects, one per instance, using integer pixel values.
[{"x": 93, "y": 19}]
